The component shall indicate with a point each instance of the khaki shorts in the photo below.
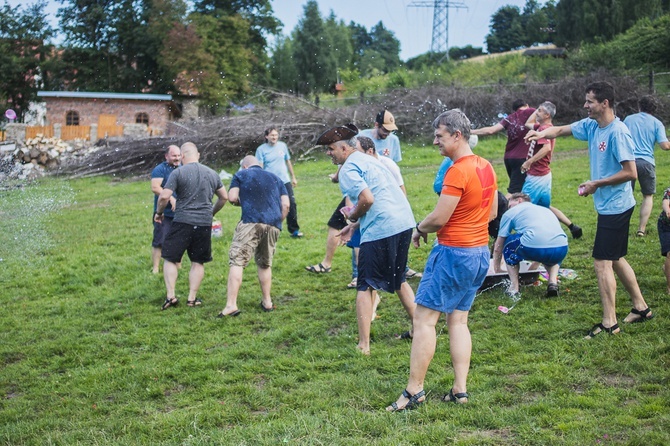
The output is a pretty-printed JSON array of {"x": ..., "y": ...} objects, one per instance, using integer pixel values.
[{"x": 253, "y": 239}]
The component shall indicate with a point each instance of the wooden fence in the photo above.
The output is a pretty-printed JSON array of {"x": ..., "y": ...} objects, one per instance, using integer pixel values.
[
  {"x": 2, "y": 135},
  {"x": 46, "y": 131},
  {"x": 107, "y": 131},
  {"x": 70, "y": 132}
]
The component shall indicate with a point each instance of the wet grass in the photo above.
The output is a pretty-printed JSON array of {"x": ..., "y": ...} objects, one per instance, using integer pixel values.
[{"x": 87, "y": 357}]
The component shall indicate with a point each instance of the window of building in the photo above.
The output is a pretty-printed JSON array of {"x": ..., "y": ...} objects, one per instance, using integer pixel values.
[
  {"x": 72, "y": 118},
  {"x": 142, "y": 118}
]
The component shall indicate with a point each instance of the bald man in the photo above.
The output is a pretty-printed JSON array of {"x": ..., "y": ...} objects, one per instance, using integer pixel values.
[
  {"x": 159, "y": 177},
  {"x": 191, "y": 230}
]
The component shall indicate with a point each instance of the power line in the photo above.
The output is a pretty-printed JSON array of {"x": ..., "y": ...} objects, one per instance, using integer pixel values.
[{"x": 440, "y": 42}]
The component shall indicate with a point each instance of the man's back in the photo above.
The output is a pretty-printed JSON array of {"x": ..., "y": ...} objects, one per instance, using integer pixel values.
[
  {"x": 539, "y": 226},
  {"x": 195, "y": 185},
  {"x": 646, "y": 131},
  {"x": 260, "y": 195}
]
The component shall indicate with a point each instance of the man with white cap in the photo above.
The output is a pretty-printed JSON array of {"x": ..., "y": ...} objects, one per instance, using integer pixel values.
[{"x": 386, "y": 142}]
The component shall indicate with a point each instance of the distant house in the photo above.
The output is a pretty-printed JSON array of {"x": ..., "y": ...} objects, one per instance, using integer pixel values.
[{"x": 112, "y": 114}]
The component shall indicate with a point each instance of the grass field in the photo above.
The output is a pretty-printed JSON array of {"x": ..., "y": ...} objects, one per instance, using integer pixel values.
[{"x": 87, "y": 357}]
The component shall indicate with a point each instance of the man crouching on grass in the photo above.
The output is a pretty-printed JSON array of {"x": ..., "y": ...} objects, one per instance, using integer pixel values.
[
  {"x": 457, "y": 265},
  {"x": 385, "y": 218}
]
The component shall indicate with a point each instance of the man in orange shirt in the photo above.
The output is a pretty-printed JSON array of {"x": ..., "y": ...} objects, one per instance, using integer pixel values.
[{"x": 457, "y": 265}]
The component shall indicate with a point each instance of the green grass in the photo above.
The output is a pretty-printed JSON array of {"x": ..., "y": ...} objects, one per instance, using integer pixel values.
[{"x": 87, "y": 357}]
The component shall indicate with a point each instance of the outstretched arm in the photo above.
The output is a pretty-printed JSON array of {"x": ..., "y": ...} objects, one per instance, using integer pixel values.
[
  {"x": 485, "y": 131},
  {"x": 549, "y": 133}
]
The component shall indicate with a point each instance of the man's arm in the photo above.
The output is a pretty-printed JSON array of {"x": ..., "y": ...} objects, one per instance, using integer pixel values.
[
  {"x": 443, "y": 211},
  {"x": 365, "y": 201},
  {"x": 285, "y": 204},
  {"x": 628, "y": 172},
  {"x": 493, "y": 213},
  {"x": 549, "y": 133},
  {"x": 294, "y": 180},
  {"x": 532, "y": 120},
  {"x": 163, "y": 200},
  {"x": 234, "y": 196},
  {"x": 222, "y": 197},
  {"x": 665, "y": 145},
  {"x": 491, "y": 130},
  {"x": 544, "y": 151},
  {"x": 156, "y": 185},
  {"x": 497, "y": 253}
]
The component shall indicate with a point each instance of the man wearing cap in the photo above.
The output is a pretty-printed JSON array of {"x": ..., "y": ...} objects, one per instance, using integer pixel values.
[
  {"x": 516, "y": 148},
  {"x": 385, "y": 218},
  {"x": 386, "y": 142}
]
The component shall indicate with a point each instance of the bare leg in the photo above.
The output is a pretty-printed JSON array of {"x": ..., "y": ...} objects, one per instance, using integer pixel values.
[
  {"x": 235, "y": 274},
  {"x": 513, "y": 271},
  {"x": 364, "y": 318},
  {"x": 156, "y": 259},
  {"x": 460, "y": 348},
  {"x": 195, "y": 277},
  {"x": 607, "y": 288},
  {"x": 560, "y": 215},
  {"x": 645, "y": 211},
  {"x": 666, "y": 269},
  {"x": 553, "y": 273},
  {"x": 627, "y": 277},
  {"x": 375, "y": 303},
  {"x": 265, "y": 280},
  {"x": 423, "y": 349},
  {"x": 332, "y": 242},
  {"x": 406, "y": 295},
  {"x": 170, "y": 273}
]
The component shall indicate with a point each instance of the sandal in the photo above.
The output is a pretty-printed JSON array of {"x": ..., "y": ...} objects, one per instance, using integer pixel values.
[
  {"x": 318, "y": 269},
  {"x": 452, "y": 397},
  {"x": 640, "y": 233},
  {"x": 411, "y": 274},
  {"x": 169, "y": 303},
  {"x": 405, "y": 335},
  {"x": 194, "y": 303},
  {"x": 266, "y": 309},
  {"x": 602, "y": 329},
  {"x": 413, "y": 402},
  {"x": 644, "y": 315},
  {"x": 353, "y": 283},
  {"x": 233, "y": 314}
]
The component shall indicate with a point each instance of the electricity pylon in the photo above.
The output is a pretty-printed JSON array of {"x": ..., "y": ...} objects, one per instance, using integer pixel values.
[{"x": 440, "y": 43}]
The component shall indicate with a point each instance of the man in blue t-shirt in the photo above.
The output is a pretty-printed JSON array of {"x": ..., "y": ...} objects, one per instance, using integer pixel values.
[
  {"x": 646, "y": 131},
  {"x": 159, "y": 177},
  {"x": 612, "y": 161},
  {"x": 385, "y": 218},
  {"x": 265, "y": 204}
]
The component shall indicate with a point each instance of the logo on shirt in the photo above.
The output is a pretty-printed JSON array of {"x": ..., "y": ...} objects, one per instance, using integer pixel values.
[
  {"x": 602, "y": 146},
  {"x": 386, "y": 152}
]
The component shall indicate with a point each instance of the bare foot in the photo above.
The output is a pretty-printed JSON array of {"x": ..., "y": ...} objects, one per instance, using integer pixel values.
[
  {"x": 155, "y": 271},
  {"x": 363, "y": 350}
]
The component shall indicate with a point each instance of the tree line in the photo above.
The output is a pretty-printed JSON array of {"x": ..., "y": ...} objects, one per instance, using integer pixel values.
[{"x": 222, "y": 50}]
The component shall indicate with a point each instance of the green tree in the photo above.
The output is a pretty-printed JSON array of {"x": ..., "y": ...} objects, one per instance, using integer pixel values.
[
  {"x": 339, "y": 36},
  {"x": 466, "y": 52},
  {"x": 506, "y": 30},
  {"x": 313, "y": 59},
  {"x": 386, "y": 45},
  {"x": 24, "y": 49},
  {"x": 282, "y": 69}
]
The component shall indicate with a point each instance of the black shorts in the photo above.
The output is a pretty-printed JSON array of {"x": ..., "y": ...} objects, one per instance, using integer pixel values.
[
  {"x": 663, "y": 237},
  {"x": 516, "y": 178},
  {"x": 382, "y": 263},
  {"x": 337, "y": 220},
  {"x": 195, "y": 240},
  {"x": 160, "y": 231},
  {"x": 611, "y": 241}
]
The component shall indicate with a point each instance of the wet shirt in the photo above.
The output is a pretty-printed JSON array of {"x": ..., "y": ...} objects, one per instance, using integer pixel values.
[
  {"x": 273, "y": 158},
  {"x": 515, "y": 126},
  {"x": 260, "y": 195},
  {"x": 541, "y": 167},
  {"x": 538, "y": 226},
  {"x": 195, "y": 185}
]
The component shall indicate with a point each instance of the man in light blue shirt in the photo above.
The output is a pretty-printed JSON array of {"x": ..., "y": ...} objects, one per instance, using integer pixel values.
[
  {"x": 386, "y": 143},
  {"x": 529, "y": 232},
  {"x": 647, "y": 131},
  {"x": 385, "y": 218},
  {"x": 612, "y": 160},
  {"x": 275, "y": 157}
]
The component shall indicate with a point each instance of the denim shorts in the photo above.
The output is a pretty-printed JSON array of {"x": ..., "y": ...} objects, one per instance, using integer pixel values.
[{"x": 452, "y": 277}]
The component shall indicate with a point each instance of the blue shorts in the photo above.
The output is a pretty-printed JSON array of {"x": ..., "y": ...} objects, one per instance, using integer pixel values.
[
  {"x": 514, "y": 252},
  {"x": 452, "y": 277},
  {"x": 538, "y": 189}
]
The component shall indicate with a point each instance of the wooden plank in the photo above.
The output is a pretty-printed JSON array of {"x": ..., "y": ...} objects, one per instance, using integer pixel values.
[
  {"x": 70, "y": 132},
  {"x": 47, "y": 131}
]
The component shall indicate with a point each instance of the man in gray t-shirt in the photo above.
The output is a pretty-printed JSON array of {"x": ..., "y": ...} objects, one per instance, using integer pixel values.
[{"x": 191, "y": 231}]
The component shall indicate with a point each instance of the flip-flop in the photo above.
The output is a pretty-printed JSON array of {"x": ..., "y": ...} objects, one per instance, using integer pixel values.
[
  {"x": 266, "y": 309},
  {"x": 233, "y": 314},
  {"x": 318, "y": 269}
]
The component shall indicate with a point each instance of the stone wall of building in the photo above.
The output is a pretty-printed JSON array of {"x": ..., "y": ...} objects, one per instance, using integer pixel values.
[{"x": 125, "y": 111}]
